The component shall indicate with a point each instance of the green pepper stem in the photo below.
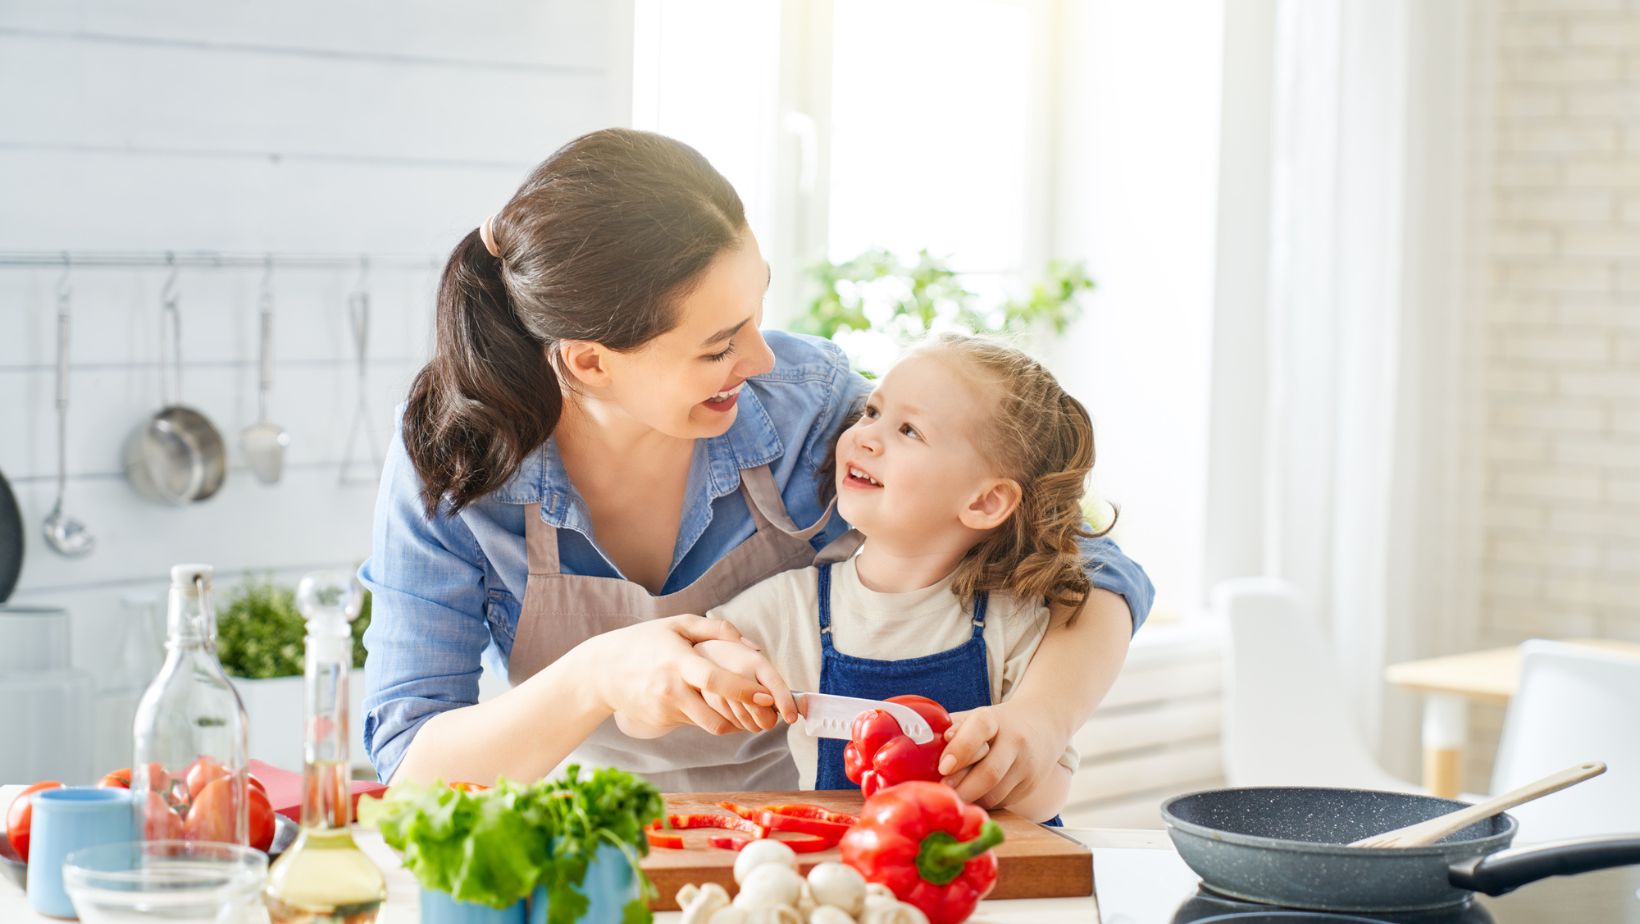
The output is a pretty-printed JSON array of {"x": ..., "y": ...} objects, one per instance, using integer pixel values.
[{"x": 942, "y": 857}]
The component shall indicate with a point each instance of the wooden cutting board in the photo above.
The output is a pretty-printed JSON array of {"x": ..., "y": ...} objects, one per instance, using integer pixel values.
[{"x": 1032, "y": 861}]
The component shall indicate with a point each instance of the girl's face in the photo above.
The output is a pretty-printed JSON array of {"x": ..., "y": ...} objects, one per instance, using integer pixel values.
[
  {"x": 909, "y": 467},
  {"x": 686, "y": 383}
]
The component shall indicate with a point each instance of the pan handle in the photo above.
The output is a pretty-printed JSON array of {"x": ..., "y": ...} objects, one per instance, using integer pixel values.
[{"x": 1507, "y": 870}]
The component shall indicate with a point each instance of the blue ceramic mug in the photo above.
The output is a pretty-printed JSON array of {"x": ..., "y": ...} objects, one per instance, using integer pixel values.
[{"x": 64, "y": 821}]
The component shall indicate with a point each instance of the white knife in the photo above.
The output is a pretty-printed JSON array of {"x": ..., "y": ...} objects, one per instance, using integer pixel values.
[{"x": 829, "y": 716}]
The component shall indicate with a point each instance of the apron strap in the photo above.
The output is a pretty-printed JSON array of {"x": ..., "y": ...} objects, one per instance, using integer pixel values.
[
  {"x": 540, "y": 542},
  {"x": 980, "y": 601},
  {"x": 768, "y": 508}
]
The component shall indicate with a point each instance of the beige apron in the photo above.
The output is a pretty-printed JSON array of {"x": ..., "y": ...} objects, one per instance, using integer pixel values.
[{"x": 561, "y": 610}]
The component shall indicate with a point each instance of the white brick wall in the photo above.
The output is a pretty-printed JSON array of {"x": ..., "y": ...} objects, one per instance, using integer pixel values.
[
  {"x": 393, "y": 128},
  {"x": 1562, "y": 352}
]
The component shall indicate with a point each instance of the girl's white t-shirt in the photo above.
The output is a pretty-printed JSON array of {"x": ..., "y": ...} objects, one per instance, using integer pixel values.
[{"x": 782, "y": 613}]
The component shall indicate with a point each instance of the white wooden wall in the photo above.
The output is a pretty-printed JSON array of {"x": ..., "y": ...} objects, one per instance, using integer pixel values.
[{"x": 298, "y": 127}]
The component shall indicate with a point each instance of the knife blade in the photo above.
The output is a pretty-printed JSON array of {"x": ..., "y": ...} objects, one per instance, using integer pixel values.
[{"x": 826, "y": 715}]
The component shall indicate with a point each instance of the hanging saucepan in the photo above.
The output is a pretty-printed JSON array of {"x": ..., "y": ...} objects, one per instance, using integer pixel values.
[
  {"x": 176, "y": 456},
  {"x": 1287, "y": 846}
]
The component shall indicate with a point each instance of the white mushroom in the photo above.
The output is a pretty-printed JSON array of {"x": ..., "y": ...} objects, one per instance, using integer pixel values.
[
  {"x": 769, "y": 886},
  {"x": 701, "y": 904},
  {"x": 827, "y": 914},
  {"x": 730, "y": 915},
  {"x": 805, "y": 901},
  {"x": 761, "y": 852},
  {"x": 880, "y": 890},
  {"x": 838, "y": 885},
  {"x": 774, "y": 914}
]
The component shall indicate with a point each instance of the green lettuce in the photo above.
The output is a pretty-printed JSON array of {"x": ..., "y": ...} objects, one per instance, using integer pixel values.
[{"x": 493, "y": 847}]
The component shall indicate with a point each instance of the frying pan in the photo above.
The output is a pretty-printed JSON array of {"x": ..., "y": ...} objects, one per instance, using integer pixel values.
[
  {"x": 1286, "y": 846},
  {"x": 11, "y": 540}
]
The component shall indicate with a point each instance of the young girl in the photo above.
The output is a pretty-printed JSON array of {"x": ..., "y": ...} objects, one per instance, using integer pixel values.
[{"x": 965, "y": 473}]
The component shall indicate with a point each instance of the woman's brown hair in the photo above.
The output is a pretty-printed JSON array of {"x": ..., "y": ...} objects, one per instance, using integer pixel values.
[
  {"x": 1038, "y": 435},
  {"x": 598, "y": 244}
]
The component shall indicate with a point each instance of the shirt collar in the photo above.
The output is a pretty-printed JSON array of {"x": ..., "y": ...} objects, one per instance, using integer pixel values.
[{"x": 750, "y": 441}]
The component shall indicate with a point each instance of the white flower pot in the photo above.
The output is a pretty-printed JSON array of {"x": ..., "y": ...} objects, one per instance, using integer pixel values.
[{"x": 274, "y": 708}]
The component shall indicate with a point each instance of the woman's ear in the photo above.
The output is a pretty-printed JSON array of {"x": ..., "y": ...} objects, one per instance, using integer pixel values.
[
  {"x": 585, "y": 361},
  {"x": 991, "y": 507}
]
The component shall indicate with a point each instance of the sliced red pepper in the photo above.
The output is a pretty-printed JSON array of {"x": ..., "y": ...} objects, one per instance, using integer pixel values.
[
  {"x": 729, "y": 822},
  {"x": 808, "y": 810},
  {"x": 666, "y": 841},
  {"x": 744, "y": 811},
  {"x": 777, "y": 822},
  {"x": 803, "y": 844}
]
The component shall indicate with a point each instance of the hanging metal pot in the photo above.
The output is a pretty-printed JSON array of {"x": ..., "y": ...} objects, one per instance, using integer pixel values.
[{"x": 177, "y": 456}]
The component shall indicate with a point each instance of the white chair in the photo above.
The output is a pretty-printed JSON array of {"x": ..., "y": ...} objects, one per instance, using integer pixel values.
[
  {"x": 1574, "y": 703},
  {"x": 1287, "y": 721}
]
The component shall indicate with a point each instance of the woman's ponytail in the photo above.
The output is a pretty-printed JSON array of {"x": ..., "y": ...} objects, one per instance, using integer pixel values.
[{"x": 488, "y": 397}]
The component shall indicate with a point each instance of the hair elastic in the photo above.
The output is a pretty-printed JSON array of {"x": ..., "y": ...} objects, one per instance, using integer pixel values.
[{"x": 486, "y": 232}]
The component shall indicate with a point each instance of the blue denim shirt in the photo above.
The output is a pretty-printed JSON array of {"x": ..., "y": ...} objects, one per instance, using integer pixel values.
[{"x": 448, "y": 590}]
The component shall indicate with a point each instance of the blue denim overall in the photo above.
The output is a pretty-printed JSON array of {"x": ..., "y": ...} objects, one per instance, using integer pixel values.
[{"x": 958, "y": 678}]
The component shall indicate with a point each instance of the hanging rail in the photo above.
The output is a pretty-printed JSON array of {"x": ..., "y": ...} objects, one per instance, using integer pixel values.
[{"x": 213, "y": 260}]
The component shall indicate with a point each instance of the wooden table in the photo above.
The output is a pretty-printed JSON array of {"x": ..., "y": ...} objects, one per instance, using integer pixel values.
[{"x": 1449, "y": 684}]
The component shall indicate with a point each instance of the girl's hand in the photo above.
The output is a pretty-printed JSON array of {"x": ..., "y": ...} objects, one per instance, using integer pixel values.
[
  {"x": 749, "y": 663},
  {"x": 650, "y": 676},
  {"x": 993, "y": 754}
]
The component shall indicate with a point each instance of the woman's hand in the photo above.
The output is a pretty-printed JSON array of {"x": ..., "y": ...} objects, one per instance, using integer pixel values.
[
  {"x": 653, "y": 680},
  {"x": 994, "y": 754}
]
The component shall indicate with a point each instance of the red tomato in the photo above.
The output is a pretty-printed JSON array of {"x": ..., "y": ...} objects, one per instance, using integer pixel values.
[
  {"x": 201, "y": 772},
  {"x": 158, "y": 779},
  {"x": 254, "y": 783},
  {"x": 261, "y": 818},
  {"x": 21, "y": 814},
  {"x": 211, "y": 817},
  {"x": 161, "y": 822}
]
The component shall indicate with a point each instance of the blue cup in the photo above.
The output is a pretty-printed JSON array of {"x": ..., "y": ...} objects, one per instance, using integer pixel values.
[
  {"x": 66, "y": 820},
  {"x": 440, "y": 908}
]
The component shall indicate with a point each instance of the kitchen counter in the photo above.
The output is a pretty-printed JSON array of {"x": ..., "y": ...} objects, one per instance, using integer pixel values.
[{"x": 1137, "y": 875}]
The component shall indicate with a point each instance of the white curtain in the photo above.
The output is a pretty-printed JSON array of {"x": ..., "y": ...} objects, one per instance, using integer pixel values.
[{"x": 1364, "y": 382}]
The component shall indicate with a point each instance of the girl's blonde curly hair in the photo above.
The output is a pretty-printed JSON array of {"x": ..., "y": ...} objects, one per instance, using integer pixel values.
[{"x": 1038, "y": 435}]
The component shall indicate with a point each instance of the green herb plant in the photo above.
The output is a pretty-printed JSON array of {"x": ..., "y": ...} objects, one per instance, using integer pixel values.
[
  {"x": 494, "y": 847},
  {"x": 904, "y": 300},
  {"x": 259, "y": 633}
]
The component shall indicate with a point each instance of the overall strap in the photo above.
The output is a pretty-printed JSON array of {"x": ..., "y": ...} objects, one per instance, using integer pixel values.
[
  {"x": 980, "y": 601},
  {"x": 824, "y": 591}
]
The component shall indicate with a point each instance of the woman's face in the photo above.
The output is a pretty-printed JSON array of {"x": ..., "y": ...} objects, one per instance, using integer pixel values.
[
  {"x": 686, "y": 382},
  {"x": 909, "y": 465}
]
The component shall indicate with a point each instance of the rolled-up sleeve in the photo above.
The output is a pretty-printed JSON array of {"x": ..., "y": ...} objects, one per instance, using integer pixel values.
[
  {"x": 1110, "y": 569},
  {"x": 428, "y": 630}
]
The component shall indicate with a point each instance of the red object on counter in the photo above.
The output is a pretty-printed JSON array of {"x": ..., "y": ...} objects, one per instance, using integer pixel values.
[
  {"x": 927, "y": 845},
  {"x": 285, "y": 790},
  {"x": 879, "y": 754}
]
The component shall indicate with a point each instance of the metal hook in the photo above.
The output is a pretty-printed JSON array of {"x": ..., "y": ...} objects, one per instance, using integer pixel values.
[
  {"x": 168, "y": 294},
  {"x": 267, "y": 282},
  {"x": 63, "y": 288},
  {"x": 364, "y": 274}
]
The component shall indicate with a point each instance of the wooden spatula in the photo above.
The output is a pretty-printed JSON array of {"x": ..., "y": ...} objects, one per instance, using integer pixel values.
[{"x": 1428, "y": 832}]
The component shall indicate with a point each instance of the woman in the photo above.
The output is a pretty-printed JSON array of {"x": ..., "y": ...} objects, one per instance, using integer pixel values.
[{"x": 603, "y": 437}]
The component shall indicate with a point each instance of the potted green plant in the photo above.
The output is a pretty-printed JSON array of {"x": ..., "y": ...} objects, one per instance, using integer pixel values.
[
  {"x": 877, "y": 303},
  {"x": 550, "y": 852},
  {"x": 259, "y": 639}
]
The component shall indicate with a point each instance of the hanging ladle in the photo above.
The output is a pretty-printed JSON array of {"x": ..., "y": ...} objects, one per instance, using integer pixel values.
[
  {"x": 265, "y": 442},
  {"x": 65, "y": 534}
]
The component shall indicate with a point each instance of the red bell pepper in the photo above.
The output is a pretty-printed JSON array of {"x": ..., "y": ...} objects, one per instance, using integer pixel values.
[
  {"x": 928, "y": 846},
  {"x": 879, "y": 754},
  {"x": 803, "y": 810}
]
